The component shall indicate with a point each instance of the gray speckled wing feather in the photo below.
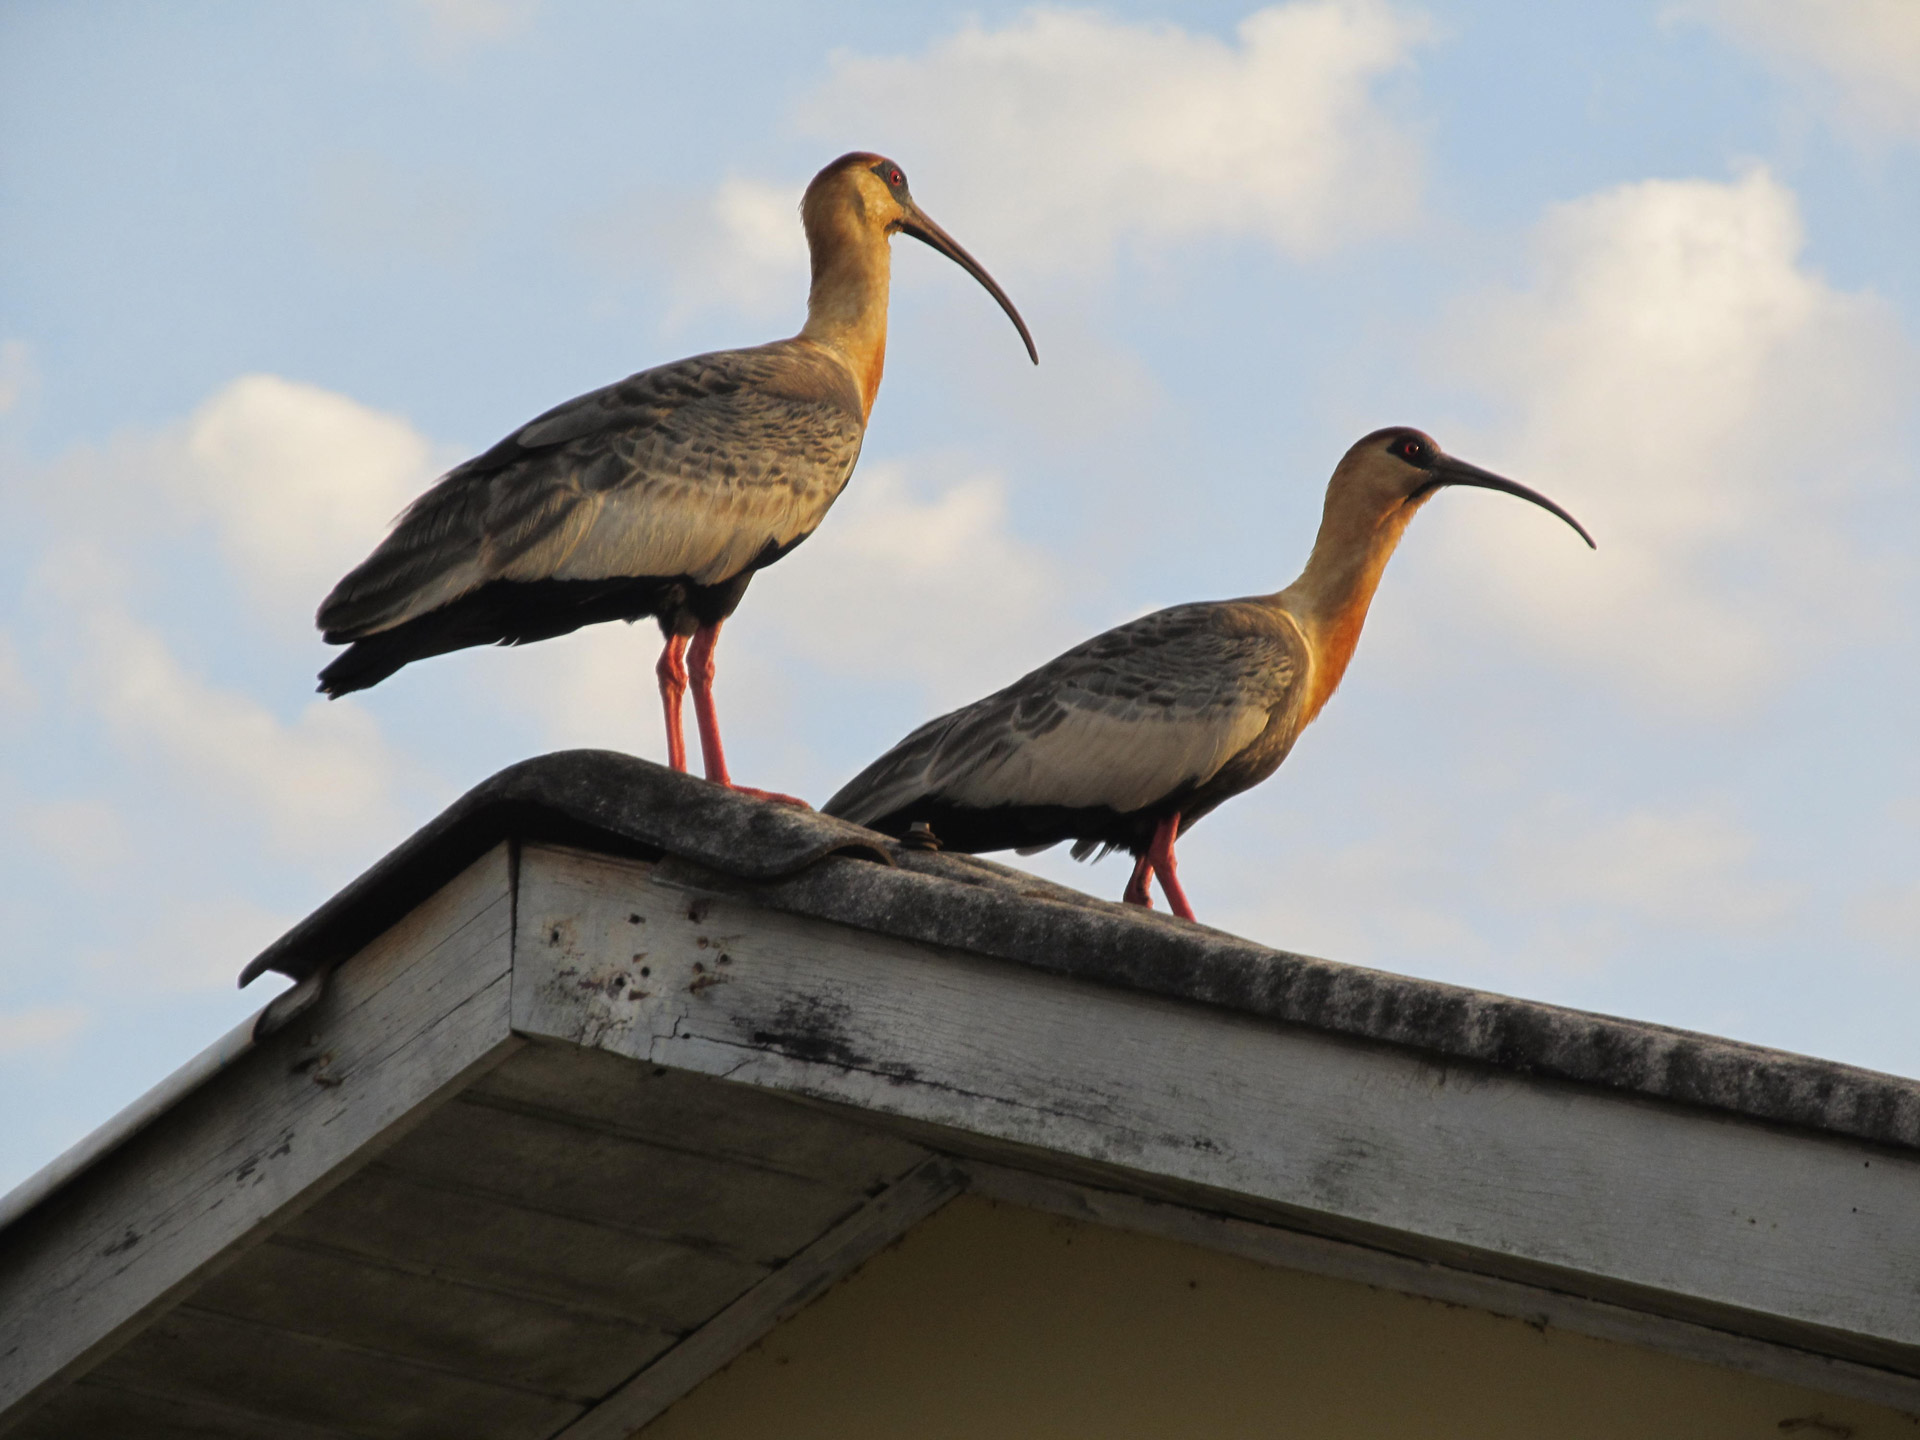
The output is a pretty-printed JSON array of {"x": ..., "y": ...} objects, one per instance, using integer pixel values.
[
  {"x": 1120, "y": 721},
  {"x": 693, "y": 469}
]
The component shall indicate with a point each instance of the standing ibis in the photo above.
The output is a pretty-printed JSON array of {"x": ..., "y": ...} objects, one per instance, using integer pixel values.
[
  {"x": 1133, "y": 734},
  {"x": 660, "y": 495}
]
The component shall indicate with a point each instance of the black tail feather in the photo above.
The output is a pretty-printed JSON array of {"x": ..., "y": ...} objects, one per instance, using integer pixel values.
[
  {"x": 505, "y": 612},
  {"x": 970, "y": 831}
]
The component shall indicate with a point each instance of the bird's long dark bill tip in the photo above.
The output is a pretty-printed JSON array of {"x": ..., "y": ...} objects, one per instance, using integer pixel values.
[
  {"x": 927, "y": 233},
  {"x": 1457, "y": 472}
]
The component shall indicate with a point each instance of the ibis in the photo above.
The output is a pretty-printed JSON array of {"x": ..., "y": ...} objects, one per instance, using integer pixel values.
[
  {"x": 660, "y": 495},
  {"x": 1131, "y": 737}
]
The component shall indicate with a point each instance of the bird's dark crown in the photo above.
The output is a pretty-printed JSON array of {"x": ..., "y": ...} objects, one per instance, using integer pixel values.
[{"x": 1405, "y": 444}]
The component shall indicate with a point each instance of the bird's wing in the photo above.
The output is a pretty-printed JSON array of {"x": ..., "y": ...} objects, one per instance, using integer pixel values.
[
  {"x": 698, "y": 468},
  {"x": 1123, "y": 720}
]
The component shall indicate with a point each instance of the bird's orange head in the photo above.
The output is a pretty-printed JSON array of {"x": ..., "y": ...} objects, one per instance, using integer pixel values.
[
  {"x": 852, "y": 208},
  {"x": 1391, "y": 473},
  {"x": 1375, "y": 490}
]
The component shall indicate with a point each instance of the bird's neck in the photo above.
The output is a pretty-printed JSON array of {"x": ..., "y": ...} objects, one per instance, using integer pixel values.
[
  {"x": 1330, "y": 599},
  {"x": 847, "y": 306}
]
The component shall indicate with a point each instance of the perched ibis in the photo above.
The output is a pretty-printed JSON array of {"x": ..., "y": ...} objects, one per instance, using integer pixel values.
[
  {"x": 659, "y": 495},
  {"x": 1129, "y": 737}
]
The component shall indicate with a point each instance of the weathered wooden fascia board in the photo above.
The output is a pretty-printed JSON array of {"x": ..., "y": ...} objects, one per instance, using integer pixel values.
[
  {"x": 1337, "y": 1259},
  {"x": 418, "y": 1014},
  {"x": 974, "y": 905},
  {"x": 1672, "y": 1203},
  {"x": 863, "y": 1234}
]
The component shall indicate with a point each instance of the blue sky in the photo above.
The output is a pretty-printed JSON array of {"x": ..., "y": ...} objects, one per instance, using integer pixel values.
[{"x": 264, "y": 270}]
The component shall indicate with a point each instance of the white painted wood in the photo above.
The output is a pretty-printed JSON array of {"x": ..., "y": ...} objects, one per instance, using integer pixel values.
[
  {"x": 392, "y": 1219},
  {"x": 865, "y": 1233},
  {"x": 1317, "y": 1255},
  {"x": 129, "y": 1122},
  {"x": 405, "y": 1024},
  {"x": 689, "y": 1112},
  {"x": 1684, "y": 1209}
]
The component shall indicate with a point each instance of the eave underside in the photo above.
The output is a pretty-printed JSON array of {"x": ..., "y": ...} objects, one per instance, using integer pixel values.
[{"x": 578, "y": 1131}]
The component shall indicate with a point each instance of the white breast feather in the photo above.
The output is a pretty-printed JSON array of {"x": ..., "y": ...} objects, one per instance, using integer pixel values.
[
  {"x": 1124, "y": 762},
  {"x": 685, "y": 533}
]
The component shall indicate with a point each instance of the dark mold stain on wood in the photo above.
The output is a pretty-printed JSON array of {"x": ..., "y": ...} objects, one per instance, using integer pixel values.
[{"x": 816, "y": 1029}]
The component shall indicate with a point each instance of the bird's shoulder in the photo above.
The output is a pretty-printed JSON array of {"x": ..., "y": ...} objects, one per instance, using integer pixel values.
[
  {"x": 1193, "y": 656},
  {"x": 786, "y": 395}
]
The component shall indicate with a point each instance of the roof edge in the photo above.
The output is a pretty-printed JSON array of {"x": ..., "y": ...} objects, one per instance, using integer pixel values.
[
  {"x": 618, "y": 804},
  {"x": 116, "y": 1131},
  {"x": 1015, "y": 917},
  {"x": 597, "y": 799}
]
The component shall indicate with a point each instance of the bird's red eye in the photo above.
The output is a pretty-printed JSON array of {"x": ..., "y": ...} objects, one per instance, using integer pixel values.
[{"x": 896, "y": 178}]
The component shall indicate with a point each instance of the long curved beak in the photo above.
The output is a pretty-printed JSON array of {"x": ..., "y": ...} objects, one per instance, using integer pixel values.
[
  {"x": 921, "y": 228},
  {"x": 1449, "y": 471}
]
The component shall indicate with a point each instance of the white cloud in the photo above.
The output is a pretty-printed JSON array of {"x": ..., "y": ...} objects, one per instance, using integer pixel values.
[
  {"x": 1889, "y": 918},
  {"x": 738, "y": 247},
  {"x": 930, "y": 587},
  {"x": 39, "y": 1027},
  {"x": 1561, "y": 885},
  {"x": 18, "y": 695},
  {"x": 1709, "y": 406},
  {"x": 1053, "y": 140},
  {"x": 1863, "y": 55},
  {"x": 1066, "y": 133},
  {"x": 87, "y": 835},
  {"x": 17, "y": 375},
  {"x": 368, "y": 211},
  {"x": 924, "y": 584},
  {"x": 298, "y": 482},
  {"x": 1684, "y": 867},
  {"x": 187, "y": 945},
  {"x": 466, "y": 22},
  {"x": 1391, "y": 899},
  {"x": 594, "y": 687},
  {"x": 743, "y": 247},
  {"x": 321, "y": 784},
  {"x": 295, "y": 484}
]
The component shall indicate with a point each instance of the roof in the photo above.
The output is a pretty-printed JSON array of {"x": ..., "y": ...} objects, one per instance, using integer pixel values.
[
  {"x": 606, "y": 1070},
  {"x": 622, "y": 805}
]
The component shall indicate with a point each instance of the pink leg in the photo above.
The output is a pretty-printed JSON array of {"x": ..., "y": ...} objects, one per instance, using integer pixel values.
[
  {"x": 672, "y": 671},
  {"x": 700, "y": 667},
  {"x": 1137, "y": 892},
  {"x": 1160, "y": 857}
]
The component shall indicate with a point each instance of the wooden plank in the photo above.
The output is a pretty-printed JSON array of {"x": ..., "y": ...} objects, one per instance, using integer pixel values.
[
  {"x": 204, "y": 1359},
  {"x": 91, "y": 1410},
  {"x": 692, "y": 1112},
  {"x": 861, "y": 1235},
  {"x": 1318, "y": 1255},
  {"x": 533, "y": 1344},
  {"x": 1669, "y": 1208},
  {"x": 588, "y": 1174},
  {"x": 398, "y": 1220},
  {"x": 407, "y": 1023}
]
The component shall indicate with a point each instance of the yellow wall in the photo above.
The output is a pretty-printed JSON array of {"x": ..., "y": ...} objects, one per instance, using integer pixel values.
[{"x": 991, "y": 1322}]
